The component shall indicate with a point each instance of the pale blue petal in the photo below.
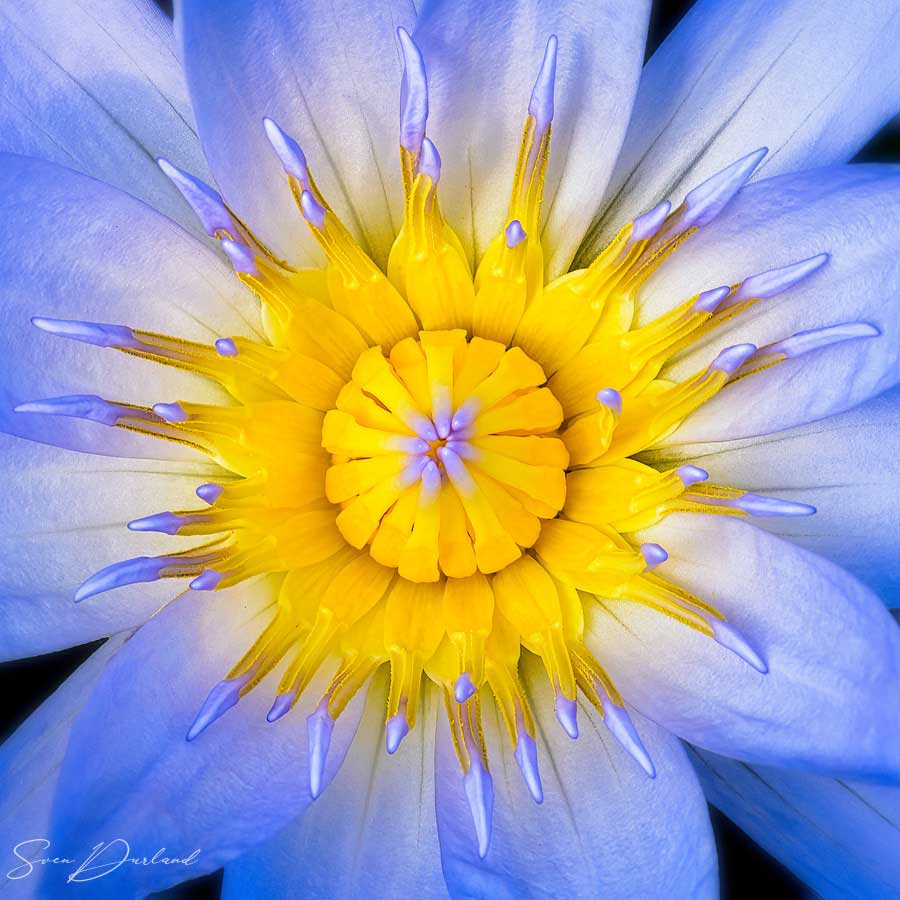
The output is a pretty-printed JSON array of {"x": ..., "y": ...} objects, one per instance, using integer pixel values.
[
  {"x": 329, "y": 74},
  {"x": 74, "y": 248},
  {"x": 830, "y": 702},
  {"x": 482, "y": 60},
  {"x": 847, "y": 467},
  {"x": 30, "y": 761},
  {"x": 811, "y": 81},
  {"x": 97, "y": 86},
  {"x": 604, "y": 828},
  {"x": 839, "y": 837},
  {"x": 63, "y": 518},
  {"x": 851, "y": 212},
  {"x": 371, "y": 834},
  {"x": 130, "y": 772}
]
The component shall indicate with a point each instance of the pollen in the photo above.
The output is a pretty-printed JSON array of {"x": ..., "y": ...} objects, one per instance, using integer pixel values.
[{"x": 441, "y": 463}]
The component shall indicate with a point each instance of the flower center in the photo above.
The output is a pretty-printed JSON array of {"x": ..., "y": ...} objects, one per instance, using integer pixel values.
[{"x": 444, "y": 455}]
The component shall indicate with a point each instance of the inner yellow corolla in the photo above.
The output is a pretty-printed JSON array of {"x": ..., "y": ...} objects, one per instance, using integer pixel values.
[
  {"x": 438, "y": 464},
  {"x": 442, "y": 455}
]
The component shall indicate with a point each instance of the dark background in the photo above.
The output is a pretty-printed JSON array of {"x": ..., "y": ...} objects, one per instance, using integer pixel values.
[{"x": 746, "y": 872}]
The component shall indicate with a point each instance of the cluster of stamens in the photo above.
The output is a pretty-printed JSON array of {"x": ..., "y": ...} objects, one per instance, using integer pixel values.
[
  {"x": 440, "y": 463},
  {"x": 439, "y": 455}
]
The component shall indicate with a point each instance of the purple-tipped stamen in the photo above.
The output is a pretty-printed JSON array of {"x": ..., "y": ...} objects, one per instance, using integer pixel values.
[
  {"x": 82, "y": 406},
  {"x": 139, "y": 570},
  {"x": 621, "y": 727},
  {"x": 463, "y": 688},
  {"x": 281, "y": 706},
  {"x": 732, "y": 358},
  {"x": 163, "y": 522},
  {"x": 463, "y": 449},
  {"x": 541, "y": 104},
  {"x": 312, "y": 210},
  {"x": 730, "y": 638},
  {"x": 774, "y": 281},
  {"x": 409, "y": 445},
  {"x": 209, "y": 493},
  {"x": 816, "y": 338},
  {"x": 646, "y": 225},
  {"x": 689, "y": 475},
  {"x": 611, "y": 399},
  {"x": 413, "y": 471},
  {"x": 431, "y": 482},
  {"x": 96, "y": 333},
  {"x": 515, "y": 234},
  {"x": 442, "y": 420},
  {"x": 226, "y": 347},
  {"x": 207, "y": 581},
  {"x": 708, "y": 301},
  {"x": 479, "y": 788},
  {"x": 430, "y": 161},
  {"x": 208, "y": 205},
  {"x": 708, "y": 199},
  {"x": 219, "y": 700},
  {"x": 171, "y": 412},
  {"x": 396, "y": 729},
  {"x": 422, "y": 426},
  {"x": 567, "y": 715},
  {"x": 413, "y": 94},
  {"x": 288, "y": 151},
  {"x": 242, "y": 258},
  {"x": 526, "y": 757},
  {"x": 456, "y": 470},
  {"x": 654, "y": 555},
  {"x": 319, "y": 727},
  {"x": 464, "y": 416},
  {"x": 758, "y": 505}
]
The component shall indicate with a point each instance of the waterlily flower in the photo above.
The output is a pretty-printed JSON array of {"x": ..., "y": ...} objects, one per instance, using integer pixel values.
[{"x": 467, "y": 495}]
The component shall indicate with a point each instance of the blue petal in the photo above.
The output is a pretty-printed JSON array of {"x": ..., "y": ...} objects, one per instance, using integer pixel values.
[
  {"x": 130, "y": 772},
  {"x": 329, "y": 74},
  {"x": 604, "y": 828},
  {"x": 813, "y": 82},
  {"x": 850, "y": 212},
  {"x": 74, "y": 248},
  {"x": 839, "y": 837},
  {"x": 30, "y": 762},
  {"x": 482, "y": 60},
  {"x": 830, "y": 702},
  {"x": 97, "y": 87},
  {"x": 63, "y": 518},
  {"x": 847, "y": 467},
  {"x": 371, "y": 834}
]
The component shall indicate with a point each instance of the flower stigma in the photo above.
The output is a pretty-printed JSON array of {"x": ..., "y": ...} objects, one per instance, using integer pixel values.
[{"x": 440, "y": 464}]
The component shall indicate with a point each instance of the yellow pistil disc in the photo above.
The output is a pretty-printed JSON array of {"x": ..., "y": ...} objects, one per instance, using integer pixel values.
[{"x": 444, "y": 455}]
